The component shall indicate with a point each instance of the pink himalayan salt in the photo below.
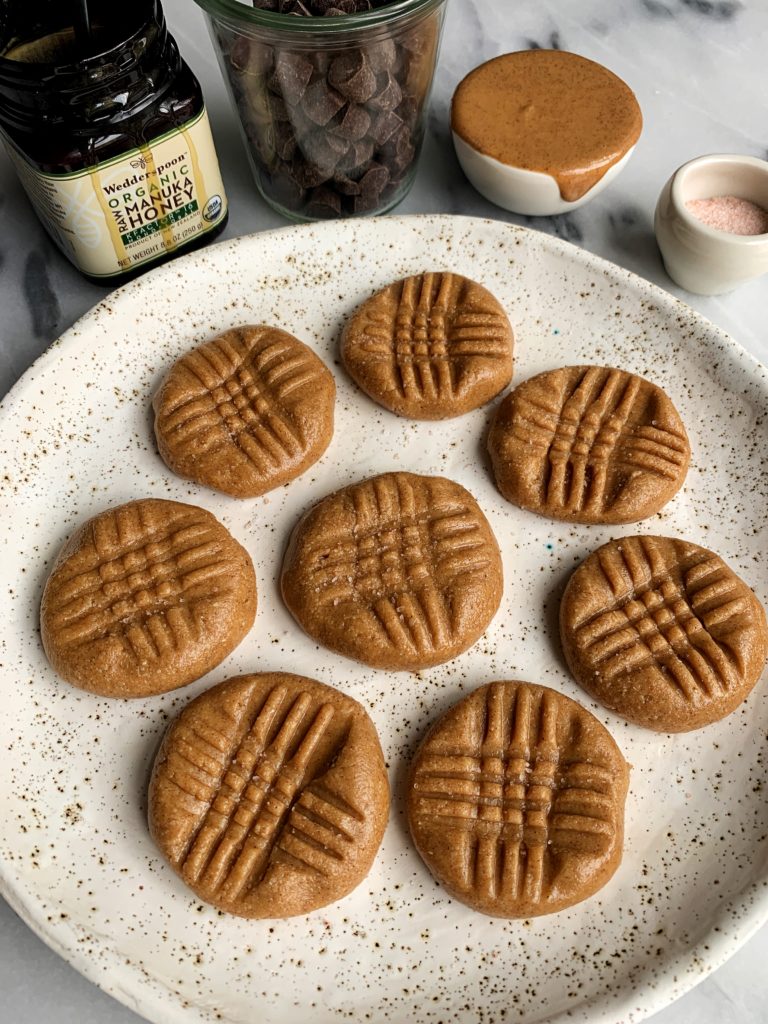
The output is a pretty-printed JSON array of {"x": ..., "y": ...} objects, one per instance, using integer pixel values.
[{"x": 731, "y": 214}]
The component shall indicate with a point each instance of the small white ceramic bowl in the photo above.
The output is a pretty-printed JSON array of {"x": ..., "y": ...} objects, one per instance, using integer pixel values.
[
  {"x": 699, "y": 258},
  {"x": 530, "y": 193}
]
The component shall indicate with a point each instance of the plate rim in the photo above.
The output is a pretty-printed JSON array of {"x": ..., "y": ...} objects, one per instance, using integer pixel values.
[{"x": 711, "y": 951}]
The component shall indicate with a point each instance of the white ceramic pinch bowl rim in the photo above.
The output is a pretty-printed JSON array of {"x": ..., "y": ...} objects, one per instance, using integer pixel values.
[
  {"x": 530, "y": 193},
  {"x": 700, "y": 258},
  {"x": 76, "y": 858}
]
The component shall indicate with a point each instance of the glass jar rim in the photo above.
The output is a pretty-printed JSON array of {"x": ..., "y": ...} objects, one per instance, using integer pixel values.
[{"x": 253, "y": 16}]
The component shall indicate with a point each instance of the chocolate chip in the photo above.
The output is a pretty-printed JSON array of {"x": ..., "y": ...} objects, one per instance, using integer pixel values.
[
  {"x": 374, "y": 181},
  {"x": 323, "y": 202},
  {"x": 346, "y": 186},
  {"x": 321, "y": 103},
  {"x": 352, "y": 76},
  {"x": 382, "y": 56},
  {"x": 357, "y": 156},
  {"x": 292, "y": 75},
  {"x": 286, "y": 191},
  {"x": 325, "y": 151},
  {"x": 308, "y": 174},
  {"x": 399, "y": 151},
  {"x": 389, "y": 94},
  {"x": 409, "y": 111},
  {"x": 354, "y": 124},
  {"x": 322, "y": 61},
  {"x": 384, "y": 126},
  {"x": 301, "y": 124},
  {"x": 366, "y": 204}
]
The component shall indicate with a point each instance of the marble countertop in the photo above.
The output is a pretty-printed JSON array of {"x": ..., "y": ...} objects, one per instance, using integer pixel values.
[{"x": 698, "y": 69}]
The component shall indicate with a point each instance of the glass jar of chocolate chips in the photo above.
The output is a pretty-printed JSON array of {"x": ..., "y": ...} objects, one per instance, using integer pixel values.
[{"x": 332, "y": 96}]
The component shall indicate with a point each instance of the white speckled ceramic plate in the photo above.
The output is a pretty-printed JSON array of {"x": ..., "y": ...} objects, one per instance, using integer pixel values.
[{"x": 77, "y": 861}]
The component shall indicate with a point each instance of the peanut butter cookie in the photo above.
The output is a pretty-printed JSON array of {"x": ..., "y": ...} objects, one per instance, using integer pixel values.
[
  {"x": 146, "y": 597},
  {"x": 269, "y": 795},
  {"x": 399, "y": 571},
  {"x": 246, "y": 412},
  {"x": 516, "y": 801},
  {"x": 589, "y": 444},
  {"x": 662, "y": 632},
  {"x": 430, "y": 347}
]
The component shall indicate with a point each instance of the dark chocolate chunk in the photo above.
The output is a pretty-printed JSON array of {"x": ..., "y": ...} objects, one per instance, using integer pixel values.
[
  {"x": 366, "y": 204},
  {"x": 384, "y": 126},
  {"x": 292, "y": 75},
  {"x": 308, "y": 174},
  {"x": 354, "y": 124},
  {"x": 389, "y": 94},
  {"x": 301, "y": 124},
  {"x": 322, "y": 61},
  {"x": 382, "y": 56},
  {"x": 409, "y": 111},
  {"x": 357, "y": 156},
  {"x": 346, "y": 186},
  {"x": 374, "y": 181},
  {"x": 399, "y": 151},
  {"x": 286, "y": 191},
  {"x": 324, "y": 151},
  {"x": 321, "y": 103},
  {"x": 323, "y": 202},
  {"x": 351, "y": 74}
]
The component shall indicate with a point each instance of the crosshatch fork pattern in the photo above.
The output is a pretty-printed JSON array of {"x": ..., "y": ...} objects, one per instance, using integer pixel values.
[
  {"x": 658, "y": 616},
  {"x": 430, "y": 335},
  {"x": 404, "y": 553},
  {"x": 515, "y": 798},
  {"x": 143, "y": 584},
  {"x": 256, "y": 796},
  {"x": 244, "y": 398},
  {"x": 587, "y": 430}
]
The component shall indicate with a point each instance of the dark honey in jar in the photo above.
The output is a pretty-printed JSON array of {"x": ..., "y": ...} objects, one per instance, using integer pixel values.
[{"x": 107, "y": 128}]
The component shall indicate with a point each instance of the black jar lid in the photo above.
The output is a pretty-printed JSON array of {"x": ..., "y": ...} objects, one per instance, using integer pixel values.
[{"x": 47, "y": 75}]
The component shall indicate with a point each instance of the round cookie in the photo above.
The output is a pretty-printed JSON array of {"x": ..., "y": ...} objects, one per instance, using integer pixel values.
[
  {"x": 399, "y": 571},
  {"x": 146, "y": 597},
  {"x": 589, "y": 444},
  {"x": 269, "y": 795},
  {"x": 516, "y": 801},
  {"x": 662, "y": 632},
  {"x": 430, "y": 347},
  {"x": 246, "y": 412}
]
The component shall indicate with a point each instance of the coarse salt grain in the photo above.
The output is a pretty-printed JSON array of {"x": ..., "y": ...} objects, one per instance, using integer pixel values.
[{"x": 731, "y": 214}]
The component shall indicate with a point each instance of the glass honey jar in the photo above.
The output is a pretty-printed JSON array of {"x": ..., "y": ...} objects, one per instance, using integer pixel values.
[{"x": 108, "y": 131}]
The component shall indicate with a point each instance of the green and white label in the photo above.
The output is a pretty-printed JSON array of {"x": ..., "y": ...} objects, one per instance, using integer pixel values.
[{"x": 134, "y": 208}]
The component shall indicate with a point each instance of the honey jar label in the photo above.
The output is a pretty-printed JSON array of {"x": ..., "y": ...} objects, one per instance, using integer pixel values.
[{"x": 134, "y": 208}]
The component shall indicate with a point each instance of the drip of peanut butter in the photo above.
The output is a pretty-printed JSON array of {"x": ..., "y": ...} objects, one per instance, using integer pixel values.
[{"x": 548, "y": 111}]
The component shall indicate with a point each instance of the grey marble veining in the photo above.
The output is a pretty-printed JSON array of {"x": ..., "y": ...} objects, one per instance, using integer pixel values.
[{"x": 697, "y": 67}]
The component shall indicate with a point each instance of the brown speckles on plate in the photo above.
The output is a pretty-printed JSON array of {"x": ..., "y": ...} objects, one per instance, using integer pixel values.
[{"x": 397, "y": 948}]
